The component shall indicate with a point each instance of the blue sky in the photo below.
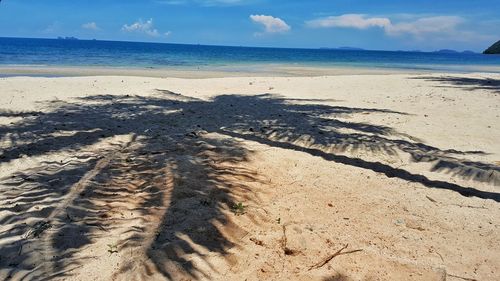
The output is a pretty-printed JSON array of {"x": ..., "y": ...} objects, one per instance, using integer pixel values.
[{"x": 370, "y": 24}]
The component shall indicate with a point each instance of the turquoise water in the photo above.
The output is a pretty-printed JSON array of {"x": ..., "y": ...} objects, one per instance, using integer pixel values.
[{"x": 52, "y": 52}]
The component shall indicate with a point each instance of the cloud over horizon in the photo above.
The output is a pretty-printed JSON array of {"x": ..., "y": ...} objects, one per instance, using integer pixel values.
[
  {"x": 271, "y": 24},
  {"x": 419, "y": 28},
  {"x": 358, "y": 21},
  {"x": 142, "y": 27},
  {"x": 90, "y": 26}
]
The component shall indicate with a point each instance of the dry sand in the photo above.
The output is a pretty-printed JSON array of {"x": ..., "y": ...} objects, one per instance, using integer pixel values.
[{"x": 352, "y": 177}]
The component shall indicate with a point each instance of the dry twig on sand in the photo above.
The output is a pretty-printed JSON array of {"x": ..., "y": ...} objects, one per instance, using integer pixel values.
[
  {"x": 330, "y": 257},
  {"x": 460, "y": 277},
  {"x": 431, "y": 199},
  {"x": 286, "y": 250}
]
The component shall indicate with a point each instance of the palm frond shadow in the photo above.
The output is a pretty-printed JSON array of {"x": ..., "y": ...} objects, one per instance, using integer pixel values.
[
  {"x": 170, "y": 188},
  {"x": 467, "y": 83}
]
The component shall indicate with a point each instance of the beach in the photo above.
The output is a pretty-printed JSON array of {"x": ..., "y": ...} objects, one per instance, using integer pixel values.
[{"x": 306, "y": 175}]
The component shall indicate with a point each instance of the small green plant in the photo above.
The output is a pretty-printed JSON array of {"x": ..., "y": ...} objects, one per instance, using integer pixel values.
[
  {"x": 112, "y": 248},
  {"x": 239, "y": 209}
]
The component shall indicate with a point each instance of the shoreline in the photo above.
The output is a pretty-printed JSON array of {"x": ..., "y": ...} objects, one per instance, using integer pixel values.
[
  {"x": 194, "y": 73},
  {"x": 260, "y": 70}
]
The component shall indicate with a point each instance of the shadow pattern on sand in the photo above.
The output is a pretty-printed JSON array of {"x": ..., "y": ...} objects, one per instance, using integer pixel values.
[
  {"x": 467, "y": 83},
  {"x": 170, "y": 188}
]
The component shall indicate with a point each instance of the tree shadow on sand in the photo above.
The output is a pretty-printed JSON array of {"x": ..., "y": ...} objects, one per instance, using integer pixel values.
[
  {"x": 165, "y": 171},
  {"x": 467, "y": 83}
]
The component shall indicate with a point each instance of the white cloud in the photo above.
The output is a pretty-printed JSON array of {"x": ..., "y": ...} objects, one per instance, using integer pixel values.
[
  {"x": 271, "y": 24},
  {"x": 90, "y": 26},
  {"x": 349, "y": 20},
  {"x": 422, "y": 26},
  {"x": 434, "y": 27},
  {"x": 142, "y": 27}
]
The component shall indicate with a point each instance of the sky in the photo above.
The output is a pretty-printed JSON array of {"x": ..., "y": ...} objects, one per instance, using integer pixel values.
[{"x": 370, "y": 24}]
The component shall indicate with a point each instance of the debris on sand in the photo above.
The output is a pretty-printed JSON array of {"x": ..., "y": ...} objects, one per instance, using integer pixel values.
[{"x": 37, "y": 229}]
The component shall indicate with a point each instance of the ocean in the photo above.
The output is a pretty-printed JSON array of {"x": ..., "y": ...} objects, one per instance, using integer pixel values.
[{"x": 97, "y": 53}]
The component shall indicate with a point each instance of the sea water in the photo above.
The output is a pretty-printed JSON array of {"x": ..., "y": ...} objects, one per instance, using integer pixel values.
[{"x": 59, "y": 52}]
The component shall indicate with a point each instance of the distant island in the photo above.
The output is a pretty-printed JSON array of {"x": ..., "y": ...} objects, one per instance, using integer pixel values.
[
  {"x": 493, "y": 49},
  {"x": 67, "y": 38},
  {"x": 350, "y": 49},
  {"x": 446, "y": 51},
  {"x": 442, "y": 51},
  {"x": 343, "y": 48},
  {"x": 449, "y": 51}
]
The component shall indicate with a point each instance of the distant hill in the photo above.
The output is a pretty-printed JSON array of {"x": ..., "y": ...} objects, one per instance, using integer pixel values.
[
  {"x": 446, "y": 51},
  {"x": 343, "y": 48},
  {"x": 494, "y": 49},
  {"x": 442, "y": 51},
  {"x": 350, "y": 49},
  {"x": 449, "y": 51},
  {"x": 409, "y": 51},
  {"x": 65, "y": 38}
]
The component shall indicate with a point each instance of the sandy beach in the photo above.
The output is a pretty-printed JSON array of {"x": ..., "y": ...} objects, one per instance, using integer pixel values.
[{"x": 369, "y": 176}]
